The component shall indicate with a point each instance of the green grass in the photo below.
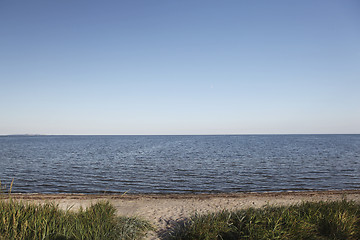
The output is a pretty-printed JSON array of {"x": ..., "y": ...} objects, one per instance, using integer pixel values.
[
  {"x": 46, "y": 221},
  {"x": 309, "y": 220}
]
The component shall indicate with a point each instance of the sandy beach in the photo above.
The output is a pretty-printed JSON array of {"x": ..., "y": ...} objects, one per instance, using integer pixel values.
[{"x": 162, "y": 210}]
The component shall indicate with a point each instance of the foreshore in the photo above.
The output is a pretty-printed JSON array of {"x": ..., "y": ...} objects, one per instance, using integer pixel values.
[{"x": 164, "y": 209}]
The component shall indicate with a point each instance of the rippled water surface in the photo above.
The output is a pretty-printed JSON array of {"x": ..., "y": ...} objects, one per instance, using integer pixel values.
[{"x": 179, "y": 164}]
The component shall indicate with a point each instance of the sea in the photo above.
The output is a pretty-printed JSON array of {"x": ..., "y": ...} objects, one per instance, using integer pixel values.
[{"x": 179, "y": 164}]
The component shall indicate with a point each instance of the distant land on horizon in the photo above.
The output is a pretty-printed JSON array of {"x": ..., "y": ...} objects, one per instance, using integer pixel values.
[{"x": 234, "y": 134}]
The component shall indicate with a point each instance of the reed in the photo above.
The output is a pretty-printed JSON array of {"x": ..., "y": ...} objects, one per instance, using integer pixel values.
[
  {"x": 3, "y": 189},
  {"x": 308, "y": 220}
]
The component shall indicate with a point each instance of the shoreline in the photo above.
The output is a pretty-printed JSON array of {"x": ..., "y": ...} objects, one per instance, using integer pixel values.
[
  {"x": 163, "y": 210},
  {"x": 44, "y": 196}
]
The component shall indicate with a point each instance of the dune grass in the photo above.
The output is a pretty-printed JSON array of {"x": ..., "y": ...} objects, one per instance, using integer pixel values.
[
  {"x": 308, "y": 220},
  {"x": 46, "y": 221}
]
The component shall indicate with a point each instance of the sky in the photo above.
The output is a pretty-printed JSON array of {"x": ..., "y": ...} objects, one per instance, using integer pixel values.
[{"x": 179, "y": 67}]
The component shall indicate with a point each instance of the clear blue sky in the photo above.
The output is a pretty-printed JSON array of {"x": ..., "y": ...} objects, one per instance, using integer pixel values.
[{"x": 179, "y": 67}]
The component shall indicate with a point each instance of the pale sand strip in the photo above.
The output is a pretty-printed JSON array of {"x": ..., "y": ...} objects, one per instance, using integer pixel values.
[{"x": 163, "y": 209}]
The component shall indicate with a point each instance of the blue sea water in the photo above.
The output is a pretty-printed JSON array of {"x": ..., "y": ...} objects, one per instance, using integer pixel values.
[{"x": 179, "y": 164}]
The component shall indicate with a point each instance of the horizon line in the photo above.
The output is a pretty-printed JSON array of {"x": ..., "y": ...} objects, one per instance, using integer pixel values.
[{"x": 205, "y": 134}]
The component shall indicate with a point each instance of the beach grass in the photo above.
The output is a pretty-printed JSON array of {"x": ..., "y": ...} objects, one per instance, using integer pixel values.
[
  {"x": 47, "y": 221},
  {"x": 308, "y": 220}
]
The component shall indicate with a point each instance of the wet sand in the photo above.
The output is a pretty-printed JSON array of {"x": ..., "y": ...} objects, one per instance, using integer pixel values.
[{"x": 164, "y": 209}]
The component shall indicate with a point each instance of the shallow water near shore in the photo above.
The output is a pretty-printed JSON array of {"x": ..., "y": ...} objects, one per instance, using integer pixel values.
[{"x": 179, "y": 164}]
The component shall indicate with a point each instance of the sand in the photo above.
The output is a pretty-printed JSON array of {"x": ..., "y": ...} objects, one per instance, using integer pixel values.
[{"x": 164, "y": 209}]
